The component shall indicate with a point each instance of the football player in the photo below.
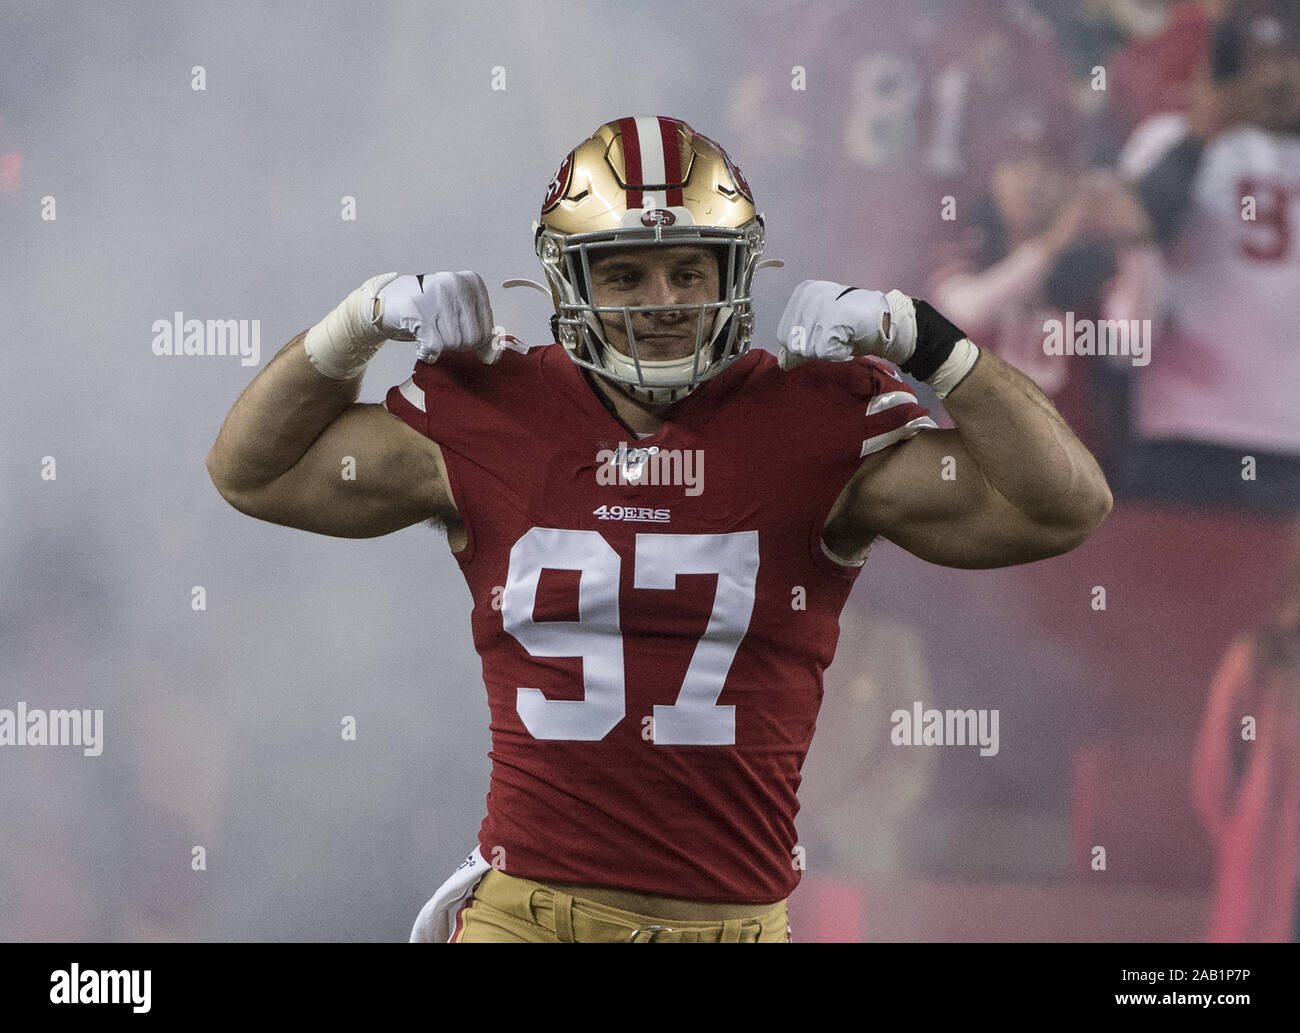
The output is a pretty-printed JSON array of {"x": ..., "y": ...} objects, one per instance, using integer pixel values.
[{"x": 658, "y": 525}]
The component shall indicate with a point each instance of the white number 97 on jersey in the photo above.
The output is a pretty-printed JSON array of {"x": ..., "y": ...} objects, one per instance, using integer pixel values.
[{"x": 695, "y": 719}]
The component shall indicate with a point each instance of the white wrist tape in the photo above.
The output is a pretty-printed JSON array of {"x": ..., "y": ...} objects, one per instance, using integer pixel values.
[
  {"x": 954, "y": 368},
  {"x": 341, "y": 344}
]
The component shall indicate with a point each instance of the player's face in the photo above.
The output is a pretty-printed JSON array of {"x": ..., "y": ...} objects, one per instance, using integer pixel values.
[
  {"x": 1271, "y": 87},
  {"x": 1030, "y": 191},
  {"x": 681, "y": 275}
]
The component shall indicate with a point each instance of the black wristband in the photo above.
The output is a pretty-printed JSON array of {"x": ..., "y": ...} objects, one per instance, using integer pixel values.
[{"x": 936, "y": 337}]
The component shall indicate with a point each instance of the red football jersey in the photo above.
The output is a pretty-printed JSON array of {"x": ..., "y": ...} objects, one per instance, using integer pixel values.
[{"x": 653, "y": 615}]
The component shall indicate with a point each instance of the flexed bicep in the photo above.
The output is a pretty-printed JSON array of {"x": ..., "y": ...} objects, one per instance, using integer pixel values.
[
  {"x": 368, "y": 474},
  {"x": 929, "y": 496}
]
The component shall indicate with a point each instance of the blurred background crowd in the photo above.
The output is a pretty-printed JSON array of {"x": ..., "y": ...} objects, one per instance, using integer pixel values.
[
  {"x": 1016, "y": 163},
  {"x": 1104, "y": 162}
]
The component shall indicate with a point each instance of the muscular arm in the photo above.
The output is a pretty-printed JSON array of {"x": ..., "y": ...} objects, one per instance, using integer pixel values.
[
  {"x": 1022, "y": 487},
  {"x": 280, "y": 456}
]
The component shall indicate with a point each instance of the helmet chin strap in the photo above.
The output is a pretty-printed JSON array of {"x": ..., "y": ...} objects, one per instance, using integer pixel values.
[
  {"x": 673, "y": 371},
  {"x": 623, "y": 367},
  {"x": 663, "y": 377}
]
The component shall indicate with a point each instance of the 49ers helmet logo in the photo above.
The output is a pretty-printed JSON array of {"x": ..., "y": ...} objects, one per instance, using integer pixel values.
[
  {"x": 658, "y": 217},
  {"x": 559, "y": 185}
]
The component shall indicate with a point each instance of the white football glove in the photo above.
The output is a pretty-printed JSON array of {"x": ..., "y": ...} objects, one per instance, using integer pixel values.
[
  {"x": 825, "y": 320},
  {"x": 439, "y": 311}
]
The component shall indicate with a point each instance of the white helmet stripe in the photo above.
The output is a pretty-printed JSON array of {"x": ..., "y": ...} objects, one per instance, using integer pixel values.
[{"x": 649, "y": 134}]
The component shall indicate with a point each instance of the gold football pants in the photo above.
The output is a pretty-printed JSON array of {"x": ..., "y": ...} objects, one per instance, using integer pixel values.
[{"x": 506, "y": 909}]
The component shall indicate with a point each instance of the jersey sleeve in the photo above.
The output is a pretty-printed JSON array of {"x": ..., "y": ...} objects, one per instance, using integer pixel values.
[
  {"x": 861, "y": 407},
  {"x": 457, "y": 402},
  {"x": 406, "y": 401},
  {"x": 889, "y": 411},
  {"x": 463, "y": 390}
]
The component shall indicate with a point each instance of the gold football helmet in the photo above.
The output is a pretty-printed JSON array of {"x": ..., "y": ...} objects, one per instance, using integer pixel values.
[{"x": 649, "y": 182}]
